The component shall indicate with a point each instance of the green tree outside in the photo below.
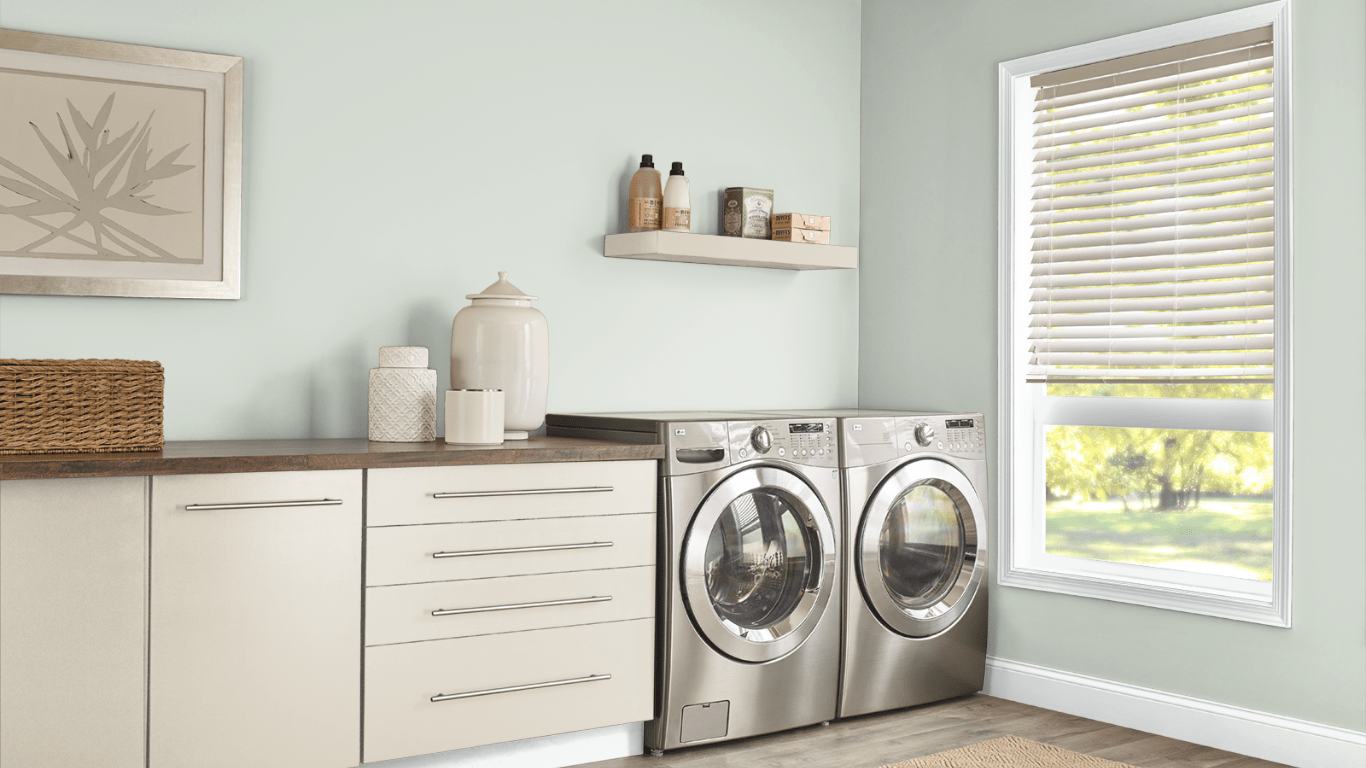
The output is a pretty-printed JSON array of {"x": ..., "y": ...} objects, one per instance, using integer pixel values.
[{"x": 1190, "y": 499}]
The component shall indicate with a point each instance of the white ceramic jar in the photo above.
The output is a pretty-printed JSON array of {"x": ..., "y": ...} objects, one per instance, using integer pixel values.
[
  {"x": 402, "y": 397},
  {"x": 501, "y": 342}
]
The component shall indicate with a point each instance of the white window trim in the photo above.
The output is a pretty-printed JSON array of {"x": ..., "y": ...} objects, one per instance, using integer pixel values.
[{"x": 1020, "y": 558}]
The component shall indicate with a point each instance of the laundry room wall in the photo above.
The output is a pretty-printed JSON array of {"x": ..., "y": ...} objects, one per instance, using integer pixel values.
[
  {"x": 399, "y": 154},
  {"x": 928, "y": 313}
]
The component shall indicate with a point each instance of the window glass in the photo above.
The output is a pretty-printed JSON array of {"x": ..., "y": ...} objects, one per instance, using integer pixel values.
[{"x": 1189, "y": 500}]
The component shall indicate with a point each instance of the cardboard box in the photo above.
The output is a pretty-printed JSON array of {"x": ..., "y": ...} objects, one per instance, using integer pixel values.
[
  {"x": 747, "y": 212},
  {"x": 800, "y": 221},
  {"x": 796, "y": 235}
]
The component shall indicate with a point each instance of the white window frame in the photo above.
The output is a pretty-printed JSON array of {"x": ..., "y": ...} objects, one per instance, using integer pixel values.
[{"x": 1021, "y": 559}]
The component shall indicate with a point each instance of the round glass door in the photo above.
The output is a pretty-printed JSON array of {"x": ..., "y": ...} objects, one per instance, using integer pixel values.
[
  {"x": 757, "y": 562},
  {"x": 918, "y": 548}
]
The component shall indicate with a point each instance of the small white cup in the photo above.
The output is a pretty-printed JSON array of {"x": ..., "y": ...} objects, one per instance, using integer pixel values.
[{"x": 474, "y": 416}]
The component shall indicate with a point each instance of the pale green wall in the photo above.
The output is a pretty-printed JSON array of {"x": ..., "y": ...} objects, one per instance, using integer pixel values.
[
  {"x": 398, "y": 154},
  {"x": 928, "y": 312}
]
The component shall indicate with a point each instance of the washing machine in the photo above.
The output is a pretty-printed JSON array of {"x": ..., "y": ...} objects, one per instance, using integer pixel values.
[
  {"x": 915, "y": 557},
  {"x": 750, "y": 584}
]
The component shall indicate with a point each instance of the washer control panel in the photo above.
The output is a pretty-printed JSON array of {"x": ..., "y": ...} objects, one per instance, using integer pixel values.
[
  {"x": 963, "y": 435},
  {"x": 799, "y": 441},
  {"x": 696, "y": 446}
]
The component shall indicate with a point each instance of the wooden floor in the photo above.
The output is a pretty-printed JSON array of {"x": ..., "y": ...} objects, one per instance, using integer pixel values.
[{"x": 876, "y": 740}]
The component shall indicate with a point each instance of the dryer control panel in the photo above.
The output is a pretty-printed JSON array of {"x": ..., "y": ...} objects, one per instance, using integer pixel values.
[
  {"x": 811, "y": 442},
  {"x": 957, "y": 435},
  {"x": 868, "y": 440}
]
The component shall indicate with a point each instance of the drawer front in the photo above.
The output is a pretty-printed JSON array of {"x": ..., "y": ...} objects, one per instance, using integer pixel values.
[
  {"x": 414, "y": 495},
  {"x": 401, "y": 680},
  {"x": 447, "y": 609},
  {"x": 409, "y": 554}
]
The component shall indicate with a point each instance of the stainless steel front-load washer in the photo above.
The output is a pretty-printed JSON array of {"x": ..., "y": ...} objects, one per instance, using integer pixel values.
[
  {"x": 915, "y": 565},
  {"x": 750, "y": 585}
]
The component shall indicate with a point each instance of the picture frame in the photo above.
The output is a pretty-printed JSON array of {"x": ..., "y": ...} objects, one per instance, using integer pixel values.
[{"x": 120, "y": 169}]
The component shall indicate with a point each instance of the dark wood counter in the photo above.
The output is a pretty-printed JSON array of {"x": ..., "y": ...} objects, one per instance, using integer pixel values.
[{"x": 211, "y": 456}]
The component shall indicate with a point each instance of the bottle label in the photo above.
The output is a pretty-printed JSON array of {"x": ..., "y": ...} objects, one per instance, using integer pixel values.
[
  {"x": 644, "y": 213},
  {"x": 735, "y": 218},
  {"x": 678, "y": 218},
  {"x": 758, "y": 211}
]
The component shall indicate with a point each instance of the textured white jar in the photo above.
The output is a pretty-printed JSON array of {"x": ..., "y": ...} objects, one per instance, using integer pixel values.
[
  {"x": 402, "y": 397},
  {"x": 501, "y": 342}
]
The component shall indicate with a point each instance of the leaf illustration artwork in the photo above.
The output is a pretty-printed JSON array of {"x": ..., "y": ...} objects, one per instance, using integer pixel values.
[{"x": 107, "y": 177}]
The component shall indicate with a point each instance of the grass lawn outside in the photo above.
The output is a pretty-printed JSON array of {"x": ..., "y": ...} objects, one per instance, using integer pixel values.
[{"x": 1228, "y": 536}]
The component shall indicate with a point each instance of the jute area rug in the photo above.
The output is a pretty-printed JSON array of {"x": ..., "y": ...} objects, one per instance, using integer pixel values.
[{"x": 1008, "y": 752}]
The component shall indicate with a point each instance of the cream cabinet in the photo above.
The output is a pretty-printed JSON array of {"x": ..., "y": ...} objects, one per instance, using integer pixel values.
[
  {"x": 507, "y": 602},
  {"x": 251, "y": 618},
  {"x": 73, "y": 622},
  {"x": 255, "y": 620}
]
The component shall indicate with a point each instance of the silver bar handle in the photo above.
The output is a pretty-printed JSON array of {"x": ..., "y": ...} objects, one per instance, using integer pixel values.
[
  {"x": 512, "y": 688},
  {"x": 514, "y": 606},
  {"x": 516, "y": 550},
  {"x": 527, "y": 492},
  {"x": 266, "y": 505}
]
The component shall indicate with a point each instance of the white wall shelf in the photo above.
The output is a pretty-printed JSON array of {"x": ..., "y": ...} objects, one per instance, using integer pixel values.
[{"x": 731, "y": 251}]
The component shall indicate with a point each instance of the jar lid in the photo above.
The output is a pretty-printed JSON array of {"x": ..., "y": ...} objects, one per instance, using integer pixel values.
[{"x": 501, "y": 290}]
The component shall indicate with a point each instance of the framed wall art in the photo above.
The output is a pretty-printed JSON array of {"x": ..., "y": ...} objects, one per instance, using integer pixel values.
[{"x": 120, "y": 169}]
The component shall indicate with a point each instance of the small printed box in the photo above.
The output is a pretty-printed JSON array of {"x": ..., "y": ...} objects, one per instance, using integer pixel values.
[
  {"x": 747, "y": 212},
  {"x": 821, "y": 236},
  {"x": 800, "y": 221}
]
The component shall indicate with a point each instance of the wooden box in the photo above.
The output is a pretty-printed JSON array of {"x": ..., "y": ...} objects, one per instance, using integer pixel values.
[
  {"x": 800, "y": 221},
  {"x": 794, "y": 235}
]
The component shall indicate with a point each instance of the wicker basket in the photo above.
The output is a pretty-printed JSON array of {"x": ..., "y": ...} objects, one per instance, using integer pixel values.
[{"x": 78, "y": 406}]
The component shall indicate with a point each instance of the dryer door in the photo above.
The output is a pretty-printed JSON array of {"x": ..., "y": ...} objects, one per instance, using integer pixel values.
[
  {"x": 758, "y": 564},
  {"x": 917, "y": 548}
]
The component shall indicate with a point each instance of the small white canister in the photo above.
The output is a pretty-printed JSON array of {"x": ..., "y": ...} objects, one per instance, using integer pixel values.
[
  {"x": 474, "y": 416},
  {"x": 402, "y": 397}
]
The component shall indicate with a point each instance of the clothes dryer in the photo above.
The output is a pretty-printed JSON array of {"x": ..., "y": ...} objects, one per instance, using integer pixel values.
[
  {"x": 915, "y": 557},
  {"x": 750, "y": 585}
]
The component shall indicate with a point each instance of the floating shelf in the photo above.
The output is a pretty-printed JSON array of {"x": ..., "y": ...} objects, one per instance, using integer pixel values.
[{"x": 731, "y": 251}]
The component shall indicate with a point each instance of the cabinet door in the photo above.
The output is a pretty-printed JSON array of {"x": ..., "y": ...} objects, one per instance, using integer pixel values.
[
  {"x": 73, "y": 622},
  {"x": 256, "y": 620}
]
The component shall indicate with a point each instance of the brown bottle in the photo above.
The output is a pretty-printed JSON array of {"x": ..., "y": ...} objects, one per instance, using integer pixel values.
[{"x": 646, "y": 199}]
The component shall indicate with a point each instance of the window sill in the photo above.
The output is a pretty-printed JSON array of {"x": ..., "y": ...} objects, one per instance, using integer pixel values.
[{"x": 1152, "y": 593}]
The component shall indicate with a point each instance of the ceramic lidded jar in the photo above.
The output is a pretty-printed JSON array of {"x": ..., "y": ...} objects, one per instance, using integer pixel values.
[{"x": 501, "y": 342}]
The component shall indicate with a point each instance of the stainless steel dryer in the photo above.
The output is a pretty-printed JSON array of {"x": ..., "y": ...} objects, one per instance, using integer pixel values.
[
  {"x": 750, "y": 588},
  {"x": 915, "y": 566}
]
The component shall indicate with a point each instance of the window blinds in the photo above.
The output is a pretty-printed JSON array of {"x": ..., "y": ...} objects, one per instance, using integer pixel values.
[{"x": 1151, "y": 252}]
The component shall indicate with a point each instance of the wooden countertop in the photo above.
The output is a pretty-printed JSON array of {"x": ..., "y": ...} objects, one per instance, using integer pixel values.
[{"x": 211, "y": 456}]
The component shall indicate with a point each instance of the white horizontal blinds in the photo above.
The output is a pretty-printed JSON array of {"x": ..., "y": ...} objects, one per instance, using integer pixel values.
[{"x": 1153, "y": 229}]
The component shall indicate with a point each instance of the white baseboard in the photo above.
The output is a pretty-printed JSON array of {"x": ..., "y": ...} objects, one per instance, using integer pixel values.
[
  {"x": 1245, "y": 731},
  {"x": 545, "y": 752}
]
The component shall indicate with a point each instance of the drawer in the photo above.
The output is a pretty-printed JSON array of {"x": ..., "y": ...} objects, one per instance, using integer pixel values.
[
  {"x": 409, "y": 554},
  {"x": 409, "y": 612},
  {"x": 413, "y": 495},
  {"x": 568, "y": 679}
]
